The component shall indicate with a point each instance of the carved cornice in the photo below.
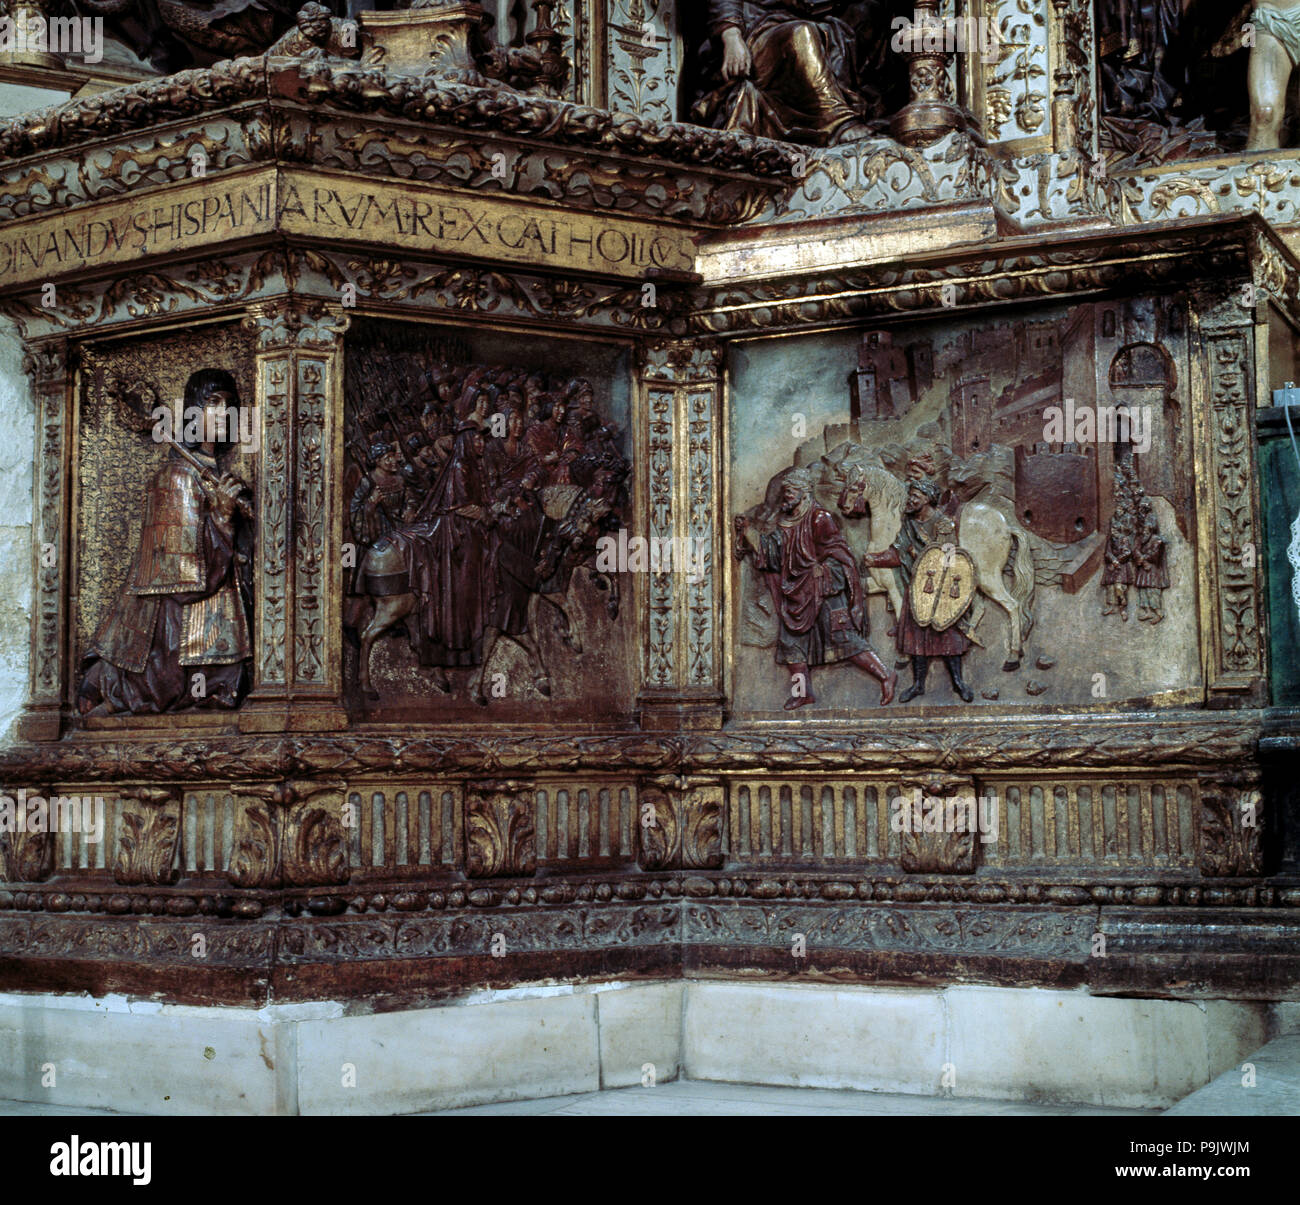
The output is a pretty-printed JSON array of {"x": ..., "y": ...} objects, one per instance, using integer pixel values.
[
  {"x": 372, "y": 90},
  {"x": 232, "y": 283},
  {"x": 1017, "y": 269}
]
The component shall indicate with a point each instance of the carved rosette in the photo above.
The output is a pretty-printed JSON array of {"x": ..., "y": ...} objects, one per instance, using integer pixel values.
[
  {"x": 500, "y": 839},
  {"x": 149, "y": 838},
  {"x": 290, "y": 835},
  {"x": 1232, "y": 826},
  {"x": 943, "y": 803},
  {"x": 680, "y": 823}
]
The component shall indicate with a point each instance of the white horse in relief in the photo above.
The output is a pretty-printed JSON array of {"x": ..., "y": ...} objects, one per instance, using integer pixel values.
[{"x": 994, "y": 541}]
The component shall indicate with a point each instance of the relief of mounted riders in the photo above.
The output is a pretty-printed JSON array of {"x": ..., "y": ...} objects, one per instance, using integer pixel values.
[{"x": 475, "y": 506}]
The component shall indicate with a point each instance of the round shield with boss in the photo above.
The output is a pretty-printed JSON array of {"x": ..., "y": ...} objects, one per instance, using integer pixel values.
[{"x": 943, "y": 586}]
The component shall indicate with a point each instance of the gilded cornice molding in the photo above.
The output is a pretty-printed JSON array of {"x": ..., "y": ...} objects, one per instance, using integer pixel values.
[{"x": 1059, "y": 743}]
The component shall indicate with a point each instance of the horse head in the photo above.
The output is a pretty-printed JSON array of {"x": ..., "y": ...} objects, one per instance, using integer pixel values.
[{"x": 853, "y": 497}]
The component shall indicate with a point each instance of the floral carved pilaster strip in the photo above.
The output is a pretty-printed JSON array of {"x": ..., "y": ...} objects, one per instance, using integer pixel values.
[
  {"x": 312, "y": 553},
  {"x": 1236, "y": 544},
  {"x": 660, "y": 407},
  {"x": 701, "y": 420},
  {"x": 47, "y": 366},
  {"x": 643, "y": 50},
  {"x": 273, "y": 387}
]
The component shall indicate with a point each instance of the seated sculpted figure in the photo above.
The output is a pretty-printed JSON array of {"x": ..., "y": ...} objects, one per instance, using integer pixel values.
[
  {"x": 785, "y": 72},
  {"x": 1275, "y": 55}
]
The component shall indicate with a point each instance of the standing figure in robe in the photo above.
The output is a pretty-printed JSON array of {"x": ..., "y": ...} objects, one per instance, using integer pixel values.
[
  {"x": 178, "y": 636},
  {"x": 816, "y": 591}
]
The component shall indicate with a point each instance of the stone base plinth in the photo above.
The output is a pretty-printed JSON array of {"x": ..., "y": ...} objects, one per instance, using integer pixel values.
[{"x": 325, "y": 1058}]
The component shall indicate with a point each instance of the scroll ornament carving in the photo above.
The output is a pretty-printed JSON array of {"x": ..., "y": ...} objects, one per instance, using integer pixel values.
[
  {"x": 46, "y": 364},
  {"x": 679, "y": 823},
  {"x": 150, "y": 837},
  {"x": 296, "y": 322},
  {"x": 290, "y": 834},
  {"x": 1232, "y": 824},
  {"x": 682, "y": 361},
  {"x": 500, "y": 838}
]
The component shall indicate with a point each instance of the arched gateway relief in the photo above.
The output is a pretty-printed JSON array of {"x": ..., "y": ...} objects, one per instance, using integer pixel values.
[{"x": 968, "y": 514}]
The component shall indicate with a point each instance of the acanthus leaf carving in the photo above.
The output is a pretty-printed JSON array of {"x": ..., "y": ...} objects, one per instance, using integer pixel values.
[
  {"x": 500, "y": 838},
  {"x": 150, "y": 838}
]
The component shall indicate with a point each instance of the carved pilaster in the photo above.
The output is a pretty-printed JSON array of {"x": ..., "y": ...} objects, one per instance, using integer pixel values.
[
  {"x": 680, "y": 824},
  {"x": 1230, "y": 526},
  {"x": 47, "y": 365},
  {"x": 499, "y": 830},
  {"x": 297, "y": 661},
  {"x": 681, "y": 384}
]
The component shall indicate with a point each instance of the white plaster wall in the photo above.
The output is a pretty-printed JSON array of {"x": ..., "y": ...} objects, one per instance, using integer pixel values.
[{"x": 17, "y": 454}]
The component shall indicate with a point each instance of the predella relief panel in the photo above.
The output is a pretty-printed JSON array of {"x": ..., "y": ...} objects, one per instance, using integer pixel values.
[
  {"x": 486, "y": 473},
  {"x": 965, "y": 513}
]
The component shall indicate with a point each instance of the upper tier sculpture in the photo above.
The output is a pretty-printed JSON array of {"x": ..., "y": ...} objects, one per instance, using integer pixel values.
[
  {"x": 1185, "y": 77},
  {"x": 782, "y": 69}
]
